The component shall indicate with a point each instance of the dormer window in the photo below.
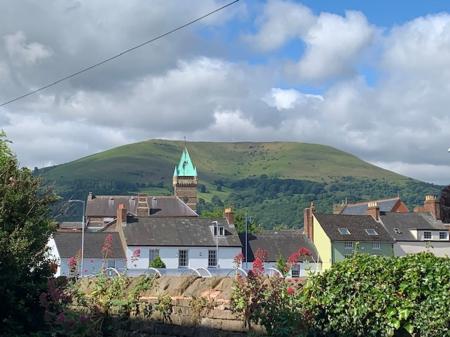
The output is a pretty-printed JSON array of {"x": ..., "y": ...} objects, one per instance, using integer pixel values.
[
  {"x": 218, "y": 229},
  {"x": 344, "y": 231},
  {"x": 371, "y": 231}
]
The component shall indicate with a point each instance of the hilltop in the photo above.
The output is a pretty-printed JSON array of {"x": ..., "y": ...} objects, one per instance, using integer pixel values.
[{"x": 272, "y": 180}]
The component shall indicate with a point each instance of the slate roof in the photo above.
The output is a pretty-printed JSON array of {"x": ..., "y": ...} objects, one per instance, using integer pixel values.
[
  {"x": 163, "y": 206},
  {"x": 356, "y": 224},
  {"x": 188, "y": 231},
  {"x": 69, "y": 243},
  {"x": 276, "y": 243},
  {"x": 406, "y": 222},
  {"x": 386, "y": 205}
]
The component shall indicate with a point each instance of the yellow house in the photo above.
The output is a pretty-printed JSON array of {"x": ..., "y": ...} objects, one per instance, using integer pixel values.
[{"x": 337, "y": 236}]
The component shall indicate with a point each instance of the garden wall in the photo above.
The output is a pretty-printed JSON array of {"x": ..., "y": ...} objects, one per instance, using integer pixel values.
[{"x": 184, "y": 306}]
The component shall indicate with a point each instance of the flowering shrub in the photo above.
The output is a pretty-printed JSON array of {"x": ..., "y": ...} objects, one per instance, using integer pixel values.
[
  {"x": 237, "y": 261},
  {"x": 107, "y": 246},
  {"x": 270, "y": 302}
]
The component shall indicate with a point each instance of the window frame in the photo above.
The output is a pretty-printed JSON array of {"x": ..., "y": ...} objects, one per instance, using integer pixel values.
[
  {"x": 214, "y": 252},
  {"x": 371, "y": 232},
  {"x": 295, "y": 270},
  {"x": 154, "y": 256},
  {"x": 445, "y": 236},
  {"x": 425, "y": 235},
  {"x": 376, "y": 245},
  {"x": 184, "y": 258},
  {"x": 345, "y": 230},
  {"x": 347, "y": 246}
]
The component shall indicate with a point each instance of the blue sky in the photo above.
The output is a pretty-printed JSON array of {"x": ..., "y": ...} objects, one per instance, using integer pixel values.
[{"x": 369, "y": 77}]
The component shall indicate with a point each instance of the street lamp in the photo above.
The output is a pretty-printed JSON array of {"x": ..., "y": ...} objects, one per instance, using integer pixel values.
[
  {"x": 82, "y": 235},
  {"x": 247, "y": 218}
]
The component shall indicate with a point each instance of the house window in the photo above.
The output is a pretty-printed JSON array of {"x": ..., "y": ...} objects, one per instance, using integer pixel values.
[
  {"x": 371, "y": 231},
  {"x": 427, "y": 235},
  {"x": 111, "y": 263},
  {"x": 152, "y": 254},
  {"x": 295, "y": 271},
  {"x": 348, "y": 245},
  {"x": 443, "y": 235},
  {"x": 347, "y": 256},
  {"x": 183, "y": 258},
  {"x": 212, "y": 258},
  {"x": 376, "y": 245},
  {"x": 221, "y": 230},
  {"x": 344, "y": 231}
]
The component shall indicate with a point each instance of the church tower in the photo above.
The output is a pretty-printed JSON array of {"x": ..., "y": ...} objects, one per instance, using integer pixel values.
[{"x": 185, "y": 180}]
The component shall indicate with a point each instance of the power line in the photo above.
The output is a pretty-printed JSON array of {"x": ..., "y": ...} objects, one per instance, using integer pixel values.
[{"x": 51, "y": 84}]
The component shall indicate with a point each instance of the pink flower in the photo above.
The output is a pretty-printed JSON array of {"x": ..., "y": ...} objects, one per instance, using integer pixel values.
[
  {"x": 261, "y": 254},
  {"x": 107, "y": 246},
  {"x": 137, "y": 253},
  {"x": 238, "y": 259},
  {"x": 304, "y": 251},
  {"x": 60, "y": 318},
  {"x": 258, "y": 266},
  {"x": 290, "y": 291}
]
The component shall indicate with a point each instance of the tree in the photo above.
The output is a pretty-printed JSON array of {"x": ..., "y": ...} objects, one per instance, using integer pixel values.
[{"x": 25, "y": 228}]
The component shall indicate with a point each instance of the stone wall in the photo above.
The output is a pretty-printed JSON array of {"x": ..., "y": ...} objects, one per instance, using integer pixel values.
[{"x": 198, "y": 307}]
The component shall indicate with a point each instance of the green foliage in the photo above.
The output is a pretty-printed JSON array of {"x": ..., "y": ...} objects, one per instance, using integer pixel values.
[
  {"x": 25, "y": 228},
  {"x": 270, "y": 302},
  {"x": 272, "y": 181},
  {"x": 165, "y": 307},
  {"x": 282, "y": 266},
  {"x": 380, "y": 296},
  {"x": 157, "y": 263}
]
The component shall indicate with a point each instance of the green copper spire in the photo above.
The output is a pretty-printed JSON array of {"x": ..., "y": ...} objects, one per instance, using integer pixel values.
[{"x": 185, "y": 167}]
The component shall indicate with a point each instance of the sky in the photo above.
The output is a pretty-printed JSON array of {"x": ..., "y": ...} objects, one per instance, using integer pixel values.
[{"x": 368, "y": 77}]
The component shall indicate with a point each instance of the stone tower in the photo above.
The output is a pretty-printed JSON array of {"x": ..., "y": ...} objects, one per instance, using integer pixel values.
[{"x": 185, "y": 180}]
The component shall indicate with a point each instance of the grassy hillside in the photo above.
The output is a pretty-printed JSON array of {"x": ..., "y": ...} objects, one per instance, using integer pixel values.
[{"x": 247, "y": 175}]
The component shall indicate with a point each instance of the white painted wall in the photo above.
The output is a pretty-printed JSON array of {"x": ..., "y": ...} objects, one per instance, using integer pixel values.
[
  {"x": 434, "y": 235},
  {"x": 305, "y": 268},
  {"x": 438, "y": 248},
  {"x": 91, "y": 266},
  {"x": 198, "y": 256}
]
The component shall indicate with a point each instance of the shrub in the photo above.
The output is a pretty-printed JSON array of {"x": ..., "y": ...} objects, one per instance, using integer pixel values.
[
  {"x": 157, "y": 263},
  {"x": 380, "y": 296}
]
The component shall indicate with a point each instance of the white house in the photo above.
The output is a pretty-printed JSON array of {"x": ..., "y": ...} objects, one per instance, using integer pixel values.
[
  {"x": 65, "y": 245},
  {"x": 417, "y": 232},
  {"x": 180, "y": 242}
]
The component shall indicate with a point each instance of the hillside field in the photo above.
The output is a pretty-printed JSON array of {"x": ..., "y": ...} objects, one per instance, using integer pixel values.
[{"x": 272, "y": 181}]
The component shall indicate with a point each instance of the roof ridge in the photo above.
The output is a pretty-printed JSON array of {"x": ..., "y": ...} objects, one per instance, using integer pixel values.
[{"x": 366, "y": 202}]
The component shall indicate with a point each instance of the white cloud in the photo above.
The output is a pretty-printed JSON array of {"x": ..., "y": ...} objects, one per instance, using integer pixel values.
[
  {"x": 22, "y": 52},
  {"x": 180, "y": 87},
  {"x": 280, "y": 22},
  {"x": 333, "y": 47}
]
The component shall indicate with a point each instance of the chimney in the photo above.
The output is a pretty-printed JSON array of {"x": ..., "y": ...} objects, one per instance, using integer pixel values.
[
  {"x": 373, "y": 210},
  {"x": 431, "y": 205},
  {"x": 121, "y": 215},
  {"x": 229, "y": 215},
  {"x": 90, "y": 196},
  {"x": 308, "y": 217}
]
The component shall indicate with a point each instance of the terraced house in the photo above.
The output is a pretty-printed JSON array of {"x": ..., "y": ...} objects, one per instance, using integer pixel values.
[{"x": 337, "y": 236}]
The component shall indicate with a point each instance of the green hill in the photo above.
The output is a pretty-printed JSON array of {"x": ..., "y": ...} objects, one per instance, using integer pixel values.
[{"x": 272, "y": 181}]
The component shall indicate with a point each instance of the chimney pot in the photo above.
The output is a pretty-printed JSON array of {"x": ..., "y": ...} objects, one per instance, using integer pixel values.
[
  {"x": 121, "y": 215},
  {"x": 373, "y": 210},
  {"x": 229, "y": 215}
]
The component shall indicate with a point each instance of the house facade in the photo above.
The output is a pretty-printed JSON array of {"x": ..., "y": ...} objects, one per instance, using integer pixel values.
[
  {"x": 181, "y": 243},
  {"x": 338, "y": 236}
]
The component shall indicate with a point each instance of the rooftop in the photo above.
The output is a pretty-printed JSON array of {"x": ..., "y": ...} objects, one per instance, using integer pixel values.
[
  {"x": 188, "y": 231},
  {"x": 69, "y": 244},
  {"x": 334, "y": 225},
  {"x": 360, "y": 208},
  {"x": 278, "y": 243}
]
